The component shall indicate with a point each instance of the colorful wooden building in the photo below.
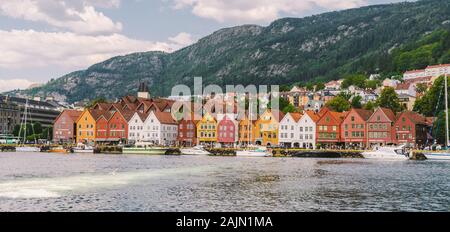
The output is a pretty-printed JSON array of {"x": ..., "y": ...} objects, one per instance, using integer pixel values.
[
  {"x": 411, "y": 128},
  {"x": 329, "y": 129},
  {"x": 227, "y": 131},
  {"x": 65, "y": 128},
  {"x": 266, "y": 128},
  {"x": 207, "y": 130},
  {"x": 354, "y": 128},
  {"x": 86, "y": 126},
  {"x": 380, "y": 128},
  {"x": 246, "y": 131}
]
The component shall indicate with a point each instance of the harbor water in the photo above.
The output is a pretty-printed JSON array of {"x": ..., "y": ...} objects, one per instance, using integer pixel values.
[{"x": 52, "y": 182}]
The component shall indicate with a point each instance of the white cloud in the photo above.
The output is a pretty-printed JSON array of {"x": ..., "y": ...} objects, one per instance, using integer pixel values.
[
  {"x": 183, "y": 39},
  {"x": 77, "y": 16},
  {"x": 12, "y": 84},
  {"x": 259, "y": 10},
  {"x": 22, "y": 49}
]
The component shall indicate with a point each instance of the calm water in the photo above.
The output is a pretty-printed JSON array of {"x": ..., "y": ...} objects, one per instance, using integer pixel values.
[{"x": 48, "y": 182}]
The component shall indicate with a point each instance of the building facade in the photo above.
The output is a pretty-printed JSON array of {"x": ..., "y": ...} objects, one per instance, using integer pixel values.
[
  {"x": 266, "y": 129},
  {"x": 207, "y": 130},
  {"x": 288, "y": 133},
  {"x": 9, "y": 116},
  {"x": 86, "y": 126},
  {"x": 65, "y": 128},
  {"x": 329, "y": 129},
  {"x": 307, "y": 130},
  {"x": 380, "y": 127},
  {"x": 354, "y": 128},
  {"x": 227, "y": 132},
  {"x": 411, "y": 128}
]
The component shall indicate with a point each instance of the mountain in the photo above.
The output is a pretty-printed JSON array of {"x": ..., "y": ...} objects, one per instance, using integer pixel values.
[{"x": 289, "y": 50}]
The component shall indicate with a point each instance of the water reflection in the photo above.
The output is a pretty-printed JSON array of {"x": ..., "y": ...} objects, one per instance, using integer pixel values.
[{"x": 45, "y": 182}]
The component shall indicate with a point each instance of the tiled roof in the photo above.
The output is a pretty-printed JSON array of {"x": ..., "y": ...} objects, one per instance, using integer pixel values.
[
  {"x": 296, "y": 116},
  {"x": 438, "y": 66},
  {"x": 314, "y": 116},
  {"x": 416, "y": 118},
  {"x": 165, "y": 117},
  {"x": 364, "y": 114},
  {"x": 389, "y": 113}
]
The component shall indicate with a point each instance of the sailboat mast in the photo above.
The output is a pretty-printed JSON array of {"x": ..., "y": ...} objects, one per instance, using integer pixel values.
[
  {"x": 446, "y": 113},
  {"x": 25, "y": 123}
]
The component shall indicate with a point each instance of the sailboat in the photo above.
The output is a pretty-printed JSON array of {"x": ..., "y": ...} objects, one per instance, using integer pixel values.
[
  {"x": 23, "y": 124},
  {"x": 256, "y": 151},
  {"x": 443, "y": 155}
]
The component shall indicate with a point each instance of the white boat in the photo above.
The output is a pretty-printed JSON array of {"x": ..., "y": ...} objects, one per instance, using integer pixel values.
[
  {"x": 28, "y": 149},
  {"x": 144, "y": 148},
  {"x": 387, "y": 153},
  {"x": 83, "y": 148},
  {"x": 437, "y": 156},
  {"x": 197, "y": 150},
  {"x": 258, "y": 152}
]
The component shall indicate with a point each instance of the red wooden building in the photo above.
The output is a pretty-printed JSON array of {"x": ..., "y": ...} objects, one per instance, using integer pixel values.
[
  {"x": 64, "y": 127},
  {"x": 380, "y": 128},
  {"x": 227, "y": 129},
  {"x": 353, "y": 128},
  {"x": 329, "y": 129},
  {"x": 412, "y": 128},
  {"x": 187, "y": 131}
]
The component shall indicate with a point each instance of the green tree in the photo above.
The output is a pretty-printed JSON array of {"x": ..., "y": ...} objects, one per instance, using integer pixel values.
[
  {"x": 289, "y": 109},
  {"x": 356, "y": 102},
  {"x": 421, "y": 88},
  {"x": 372, "y": 84},
  {"x": 285, "y": 88},
  {"x": 369, "y": 106},
  {"x": 432, "y": 102},
  {"x": 16, "y": 130},
  {"x": 357, "y": 80},
  {"x": 389, "y": 99},
  {"x": 95, "y": 101},
  {"x": 320, "y": 86},
  {"x": 339, "y": 104},
  {"x": 309, "y": 86},
  {"x": 37, "y": 128}
]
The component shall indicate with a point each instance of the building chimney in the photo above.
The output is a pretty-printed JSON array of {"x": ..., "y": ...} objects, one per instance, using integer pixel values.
[{"x": 143, "y": 91}]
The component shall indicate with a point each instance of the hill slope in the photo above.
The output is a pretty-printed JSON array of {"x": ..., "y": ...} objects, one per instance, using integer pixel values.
[{"x": 289, "y": 50}]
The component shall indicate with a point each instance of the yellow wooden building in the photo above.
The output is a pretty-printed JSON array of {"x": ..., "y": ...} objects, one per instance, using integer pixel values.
[
  {"x": 207, "y": 130},
  {"x": 246, "y": 131},
  {"x": 266, "y": 128},
  {"x": 86, "y": 127}
]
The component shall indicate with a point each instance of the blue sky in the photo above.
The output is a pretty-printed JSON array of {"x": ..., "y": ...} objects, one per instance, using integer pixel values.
[{"x": 44, "y": 39}]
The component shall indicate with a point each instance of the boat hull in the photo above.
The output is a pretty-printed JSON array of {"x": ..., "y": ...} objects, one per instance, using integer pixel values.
[
  {"x": 252, "y": 154},
  {"x": 146, "y": 151},
  {"x": 381, "y": 156},
  {"x": 193, "y": 152},
  {"x": 28, "y": 149},
  {"x": 87, "y": 151},
  {"x": 438, "y": 156}
]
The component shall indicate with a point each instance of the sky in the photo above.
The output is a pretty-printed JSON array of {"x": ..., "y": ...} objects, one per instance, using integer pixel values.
[{"x": 45, "y": 39}]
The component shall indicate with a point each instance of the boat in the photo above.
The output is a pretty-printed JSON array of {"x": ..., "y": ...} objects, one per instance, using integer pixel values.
[
  {"x": 58, "y": 150},
  {"x": 438, "y": 156},
  {"x": 28, "y": 149},
  {"x": 387, "y": 153},
  {"x": 83, "y": 148},
  {"x": 197, "y": 150},
  {"x": 144, "y": 148},
  {"x": 443, "y": 155},
  {"x": 258, "y": 152},
  {"x": 23, "y": 127}
]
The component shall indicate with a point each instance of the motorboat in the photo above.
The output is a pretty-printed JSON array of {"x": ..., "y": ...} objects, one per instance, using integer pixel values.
[
  {"x": 58, "y": 150},
  {"x": 197, "y": 150},
  {"x": 144, "y": 148},
  {"x": 438, "y": 156},
  {"x": 257, "y": 152},
  {"x": 83, "y": 148},
  {"x": 28, "y": 149},
  {"x": 387, "y": 153}
]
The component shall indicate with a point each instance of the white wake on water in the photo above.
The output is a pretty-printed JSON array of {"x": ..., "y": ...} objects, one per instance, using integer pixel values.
[{"x": 58, "y": 186}]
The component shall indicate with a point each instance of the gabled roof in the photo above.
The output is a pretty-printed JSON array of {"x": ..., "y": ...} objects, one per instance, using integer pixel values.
[
  {"x": 364, "y": 114},
  {"x": 165, "y": 117},
  {"x": 438, "y": 66},
  {"x": 313, "y": 115},
  {"x": 415, "y": 118},
  {"x": 73, "y": 114},
  {"x": 389, "y": 113},
  {"x": 296, "y": 116}
]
